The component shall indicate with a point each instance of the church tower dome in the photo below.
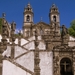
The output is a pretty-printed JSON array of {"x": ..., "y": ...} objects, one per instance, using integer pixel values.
[
  {"x": 54, "y": 17},
  {"x": 54, "y": 8},
  {"x": 28, "y": 14},
  {"x": 28, "y": 20}
]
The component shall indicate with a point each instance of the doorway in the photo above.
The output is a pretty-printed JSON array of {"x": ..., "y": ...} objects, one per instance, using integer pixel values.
[{"x": 66, "y": 67}]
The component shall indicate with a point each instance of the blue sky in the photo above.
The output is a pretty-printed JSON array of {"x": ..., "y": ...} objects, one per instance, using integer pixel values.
[{"x": 14, "y": 10}]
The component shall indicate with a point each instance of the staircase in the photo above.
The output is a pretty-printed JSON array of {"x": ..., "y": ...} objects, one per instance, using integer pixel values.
[{"x": 14, "y": 68}]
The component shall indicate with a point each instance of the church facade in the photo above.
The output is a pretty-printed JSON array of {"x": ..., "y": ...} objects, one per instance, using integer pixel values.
[{"x": 44, "y": 49}]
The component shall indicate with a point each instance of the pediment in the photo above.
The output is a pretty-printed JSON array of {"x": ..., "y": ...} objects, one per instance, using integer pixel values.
[{"x": 41, "y": 25}]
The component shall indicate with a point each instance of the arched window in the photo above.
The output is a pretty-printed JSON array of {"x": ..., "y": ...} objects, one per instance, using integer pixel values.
[
  {"x": 54, "y": 18},
  {"x": 28, "y": 18},
  {"x": 66, "y": 67}
]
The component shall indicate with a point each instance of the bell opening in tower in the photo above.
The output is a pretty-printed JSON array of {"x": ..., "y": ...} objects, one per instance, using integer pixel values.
[
  {"x": 28, "y": 18},
  {"x": 54, "y": 18}
]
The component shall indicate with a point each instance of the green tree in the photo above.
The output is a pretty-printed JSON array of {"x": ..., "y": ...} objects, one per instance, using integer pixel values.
[
  {"x": 0, "y": 25},
  {"x": 72, "y": 28}
]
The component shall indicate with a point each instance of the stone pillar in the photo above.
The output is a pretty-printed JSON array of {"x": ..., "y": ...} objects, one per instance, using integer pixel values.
[
  {"x": 1, "y": 47},
  {"x": 19, "y": 39},
  {"x": 13, "y": 25},
  {"x": 36, "y": 56},
  {"x": 4, "y": 32},
  {"x": 31, "y": 32}
]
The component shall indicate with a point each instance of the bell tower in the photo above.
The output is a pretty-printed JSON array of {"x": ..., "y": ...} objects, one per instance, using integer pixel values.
[
  {"x": 54, "y": 18},
  {"x": 28, "y": 20}
]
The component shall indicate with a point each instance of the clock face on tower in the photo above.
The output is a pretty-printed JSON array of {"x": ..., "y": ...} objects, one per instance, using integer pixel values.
[{"x": 28, "y": 18}]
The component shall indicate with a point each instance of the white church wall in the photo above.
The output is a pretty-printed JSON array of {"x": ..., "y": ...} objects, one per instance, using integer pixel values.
[
  {"x": 71, "y": 38},
  {"x": 0, "y": 38},
  {"x": 23, "y": 41},
  {"x": 11, "y": 69},
  {"x": 71, "y": 41},
  {"x": 42, "y": 45},
  {"x": 30, "y": 45},
  {"x": 16, "y": 41},
  {"x": 27, "y": 61},
  {"x": 18, "y": 51},
  {"x": 46, "y": 63}
]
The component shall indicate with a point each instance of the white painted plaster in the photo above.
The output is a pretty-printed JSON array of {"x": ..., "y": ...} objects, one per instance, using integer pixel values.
[
  {"x": 18, "y": 51},
  {"x": 27, "y": 61},
  {"x": 11, "y": 69},
  {"x": 0, "y": 38},
  {"x": 46, "y": 63},
  {"x": 71, "y": 38},
  {"x": 29, "y": 45},
  {"x": 23, "y": 41}
]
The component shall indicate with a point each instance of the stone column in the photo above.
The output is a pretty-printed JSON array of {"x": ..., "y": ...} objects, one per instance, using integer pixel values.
[
  {"x": 4, "y": 32},
  {"x": 19, "y": 39},
  {"x": 36, "y": 56},
  {"x": 31, "y": 31},
  {"x": 13, "y": 25}
]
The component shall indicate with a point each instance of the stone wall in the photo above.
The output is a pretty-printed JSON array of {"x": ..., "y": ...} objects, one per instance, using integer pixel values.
[
  {"x": 11, "y": 69},
  {"x": 46, "y": 62},
  {"x": 27, "y": 61}
]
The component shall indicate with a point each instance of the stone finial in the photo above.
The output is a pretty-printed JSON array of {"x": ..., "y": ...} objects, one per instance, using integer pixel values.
[
  {"x": 3, "y": 15},
  {"x": 13, "y": 25}
]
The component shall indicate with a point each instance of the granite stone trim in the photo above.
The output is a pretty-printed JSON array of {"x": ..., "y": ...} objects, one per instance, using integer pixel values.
[
  {"x": 23, "y": 48},
  {"x": 18, "y": 65},
  {"x": 27, "y": 43},
  {"x": 21, "y": 55}
]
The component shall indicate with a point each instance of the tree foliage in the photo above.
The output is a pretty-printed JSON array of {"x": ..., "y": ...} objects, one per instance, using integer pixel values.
[{"x": 72, "y": 28}]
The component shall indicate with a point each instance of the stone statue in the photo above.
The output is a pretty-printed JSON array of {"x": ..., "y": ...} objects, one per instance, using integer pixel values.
[
  {"x": 36, "y": 34},
  {"x": 64, "y": 35},
  {"x": 64, "y": 30}
]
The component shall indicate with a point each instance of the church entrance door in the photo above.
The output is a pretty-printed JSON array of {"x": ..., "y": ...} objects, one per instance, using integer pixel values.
[{"x": 66, "y": 67}]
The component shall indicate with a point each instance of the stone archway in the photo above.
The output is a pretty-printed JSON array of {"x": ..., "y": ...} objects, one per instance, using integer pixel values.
[{"x": 66, "y": 67}]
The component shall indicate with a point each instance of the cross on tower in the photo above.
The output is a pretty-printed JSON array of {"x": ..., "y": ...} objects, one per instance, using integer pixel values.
[{"x": 65, "y": 65}]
